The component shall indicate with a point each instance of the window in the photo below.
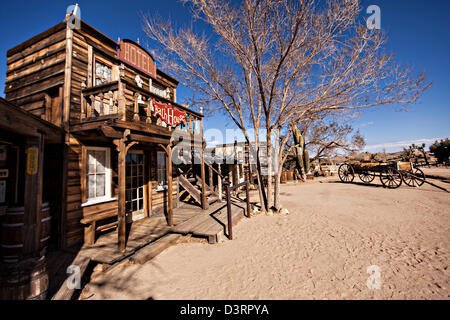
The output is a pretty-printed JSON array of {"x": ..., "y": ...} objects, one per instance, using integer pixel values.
[
  {"x": 103, "y": 72},
  {"x": 161, "y": 170},
  {"x": 98, "y": 174}
]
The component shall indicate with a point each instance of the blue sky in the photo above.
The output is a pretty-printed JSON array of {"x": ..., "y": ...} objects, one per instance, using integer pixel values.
[{"x": 418, "y": 32}]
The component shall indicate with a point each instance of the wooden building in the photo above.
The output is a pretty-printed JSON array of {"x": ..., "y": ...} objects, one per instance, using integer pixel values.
[
  {"x": 29, "y": 160},
  {"x": 117, "y": 112}
]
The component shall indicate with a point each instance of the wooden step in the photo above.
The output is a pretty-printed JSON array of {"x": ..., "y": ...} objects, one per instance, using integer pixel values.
[
  {"x": 187, "y": 226},
  {"x": 152, "y": 250},
  {"x": 213, "y": 199},
  {"x": 64, "y": 293},
  {"x": 192, "y": 180},
  {"x": 214, "y": 230},
  {"x": 193, "y": 191}
]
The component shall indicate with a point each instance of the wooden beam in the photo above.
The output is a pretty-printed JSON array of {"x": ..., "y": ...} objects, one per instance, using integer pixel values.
[
  {"x": 144, "y": 127},
  {"x": 22, "y": 122},
  {"x": 90, "y": 66},
  {"x": 148, "y": 139},
  {"x": 122, "y": 224},
  {"x": 168, "y": 151},
  {"x": 33, "y": 195},
  {"x": 211, "y": 181},
  {"x": 109, "y": 132},
  {"x": 219, "y": 182},
  {"x": 169, "y": 185},
  {"x": 68, "y": 76},
  {"x": 204, "y": 200}
]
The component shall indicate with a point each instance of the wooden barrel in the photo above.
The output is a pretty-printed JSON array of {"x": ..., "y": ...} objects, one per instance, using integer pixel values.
[
  {"x": 12, "y": 234},
  {"x": 290, "y": 175},
  {"x": 283, "y": 177},
  {"x": 27, "y": 280},
  {"x": 46, "y": 223}
]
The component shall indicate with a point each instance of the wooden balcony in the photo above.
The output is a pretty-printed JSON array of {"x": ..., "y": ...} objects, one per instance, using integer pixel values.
[
  {"x": 100, "y": 101},
  {"x": 125, "y": 101}
]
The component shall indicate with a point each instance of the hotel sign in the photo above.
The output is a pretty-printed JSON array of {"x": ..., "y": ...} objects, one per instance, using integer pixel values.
[
  {"x": 134, "y": 55},
  {"x": 169, "y": 114}
]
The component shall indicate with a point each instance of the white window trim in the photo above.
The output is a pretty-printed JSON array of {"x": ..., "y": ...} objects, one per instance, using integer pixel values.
[
  {"x": 163, "y": 187},
  {"x": 107, "y": 196}
]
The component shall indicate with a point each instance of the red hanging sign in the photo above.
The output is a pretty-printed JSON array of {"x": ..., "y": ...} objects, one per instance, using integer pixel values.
[{"x": 170, "y": 115}]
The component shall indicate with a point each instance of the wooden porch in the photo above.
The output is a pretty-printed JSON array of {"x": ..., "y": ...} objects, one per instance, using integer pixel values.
[{"x": 187, "y": 220}]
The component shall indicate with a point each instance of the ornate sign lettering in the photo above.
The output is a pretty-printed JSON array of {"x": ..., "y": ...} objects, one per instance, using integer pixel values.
[
  {"x": 133, "y": 54},
  {"x": 169, "y": 114}
]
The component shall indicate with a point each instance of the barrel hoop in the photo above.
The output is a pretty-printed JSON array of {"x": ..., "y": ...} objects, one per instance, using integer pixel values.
[
  {"x": 11, "y": 246},
  {"x": 46, "y": 219},
  {"x": 45, "y": 239},
  {"x": 12, "y": 224},
  {"x": 9, "y": 213},
  {"x": 38, "y": 297}
]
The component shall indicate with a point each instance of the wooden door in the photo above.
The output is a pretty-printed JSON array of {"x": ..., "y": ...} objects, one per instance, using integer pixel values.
[{"x": 135, "y": 195}]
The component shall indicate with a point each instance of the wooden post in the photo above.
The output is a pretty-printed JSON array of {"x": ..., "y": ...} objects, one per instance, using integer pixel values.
[
  {"x": 122, "y": 224},
  {"x": 90, "y": 66},
  {"x": 204, "y": 201},
  {"x": 121, "y": 97},
  {"x": 170, "y": 185},
  {"x": 219, "y": 182},
  {"x": 211, "y": 181},
  {"x": 68, "y": 76},
  {"x": 33, "y": 195},
  {"x": 149, "y": 184},
  {"x": 177, "y": 205},
  {"x": 247, "y": 162},
  {"x": 64, "y": 167},
  {"x": 136, "y": 107},
  {"x": 168, "y": 151}
]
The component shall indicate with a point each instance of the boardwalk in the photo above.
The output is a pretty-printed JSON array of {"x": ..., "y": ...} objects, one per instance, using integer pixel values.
[{"x": 188, "y": 219}]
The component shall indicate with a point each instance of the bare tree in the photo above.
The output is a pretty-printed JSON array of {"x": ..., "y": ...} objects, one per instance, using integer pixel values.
[
  {"x": 269, "y": 63},
  {"x": 328, "y": 139}
]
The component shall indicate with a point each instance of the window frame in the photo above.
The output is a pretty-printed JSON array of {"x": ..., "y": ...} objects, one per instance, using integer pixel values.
[
  {"x": 108, "y": 190},
  {"x": 94, "y": 72},
  {"x": 158, "y": 186}
]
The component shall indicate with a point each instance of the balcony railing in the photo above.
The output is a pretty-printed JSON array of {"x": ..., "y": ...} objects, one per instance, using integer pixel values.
[
  {"x": 101, "y": 100},
  {"x": 128, "y": 102}
]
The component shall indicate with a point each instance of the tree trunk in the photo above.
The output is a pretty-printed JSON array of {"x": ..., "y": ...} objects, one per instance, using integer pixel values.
[
  {"x": 280, "y": 163},
  {"x": 261, "y": 190},
  {"x": 269, "y": 170}
]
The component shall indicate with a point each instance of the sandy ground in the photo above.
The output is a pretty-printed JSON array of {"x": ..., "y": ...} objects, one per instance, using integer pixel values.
[{"x": 320, "y": 250}]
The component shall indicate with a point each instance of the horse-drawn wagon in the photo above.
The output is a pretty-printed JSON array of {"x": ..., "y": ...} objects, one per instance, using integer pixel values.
[{"x": 391, "y": 174}]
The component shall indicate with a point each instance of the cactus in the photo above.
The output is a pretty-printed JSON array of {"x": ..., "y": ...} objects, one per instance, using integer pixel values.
[
  {"x": 306, "y": 160},
  {"x": 303, "y": 163}
]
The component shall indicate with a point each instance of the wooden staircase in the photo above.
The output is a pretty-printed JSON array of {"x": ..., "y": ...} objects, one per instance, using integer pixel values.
[{"x": 190, "y": 190}]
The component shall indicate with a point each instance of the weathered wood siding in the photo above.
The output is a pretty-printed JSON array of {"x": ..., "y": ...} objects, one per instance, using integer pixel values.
[{"x": 35, "y": 69}]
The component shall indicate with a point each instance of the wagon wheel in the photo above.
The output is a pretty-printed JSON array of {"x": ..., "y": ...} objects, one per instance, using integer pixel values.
[
  {"x": 366, "y": 176},
  {"x": 346, "y": 173},
  {"x": 410, "y": 177},
  {"x": 391, "y": 178}
]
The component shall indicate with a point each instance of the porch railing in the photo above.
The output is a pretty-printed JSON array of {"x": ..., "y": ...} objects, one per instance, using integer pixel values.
[
  {"x": 130, "y": 103},
  {"x": 229, "y": 216},
  {"x": 101, "y": 100}
]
